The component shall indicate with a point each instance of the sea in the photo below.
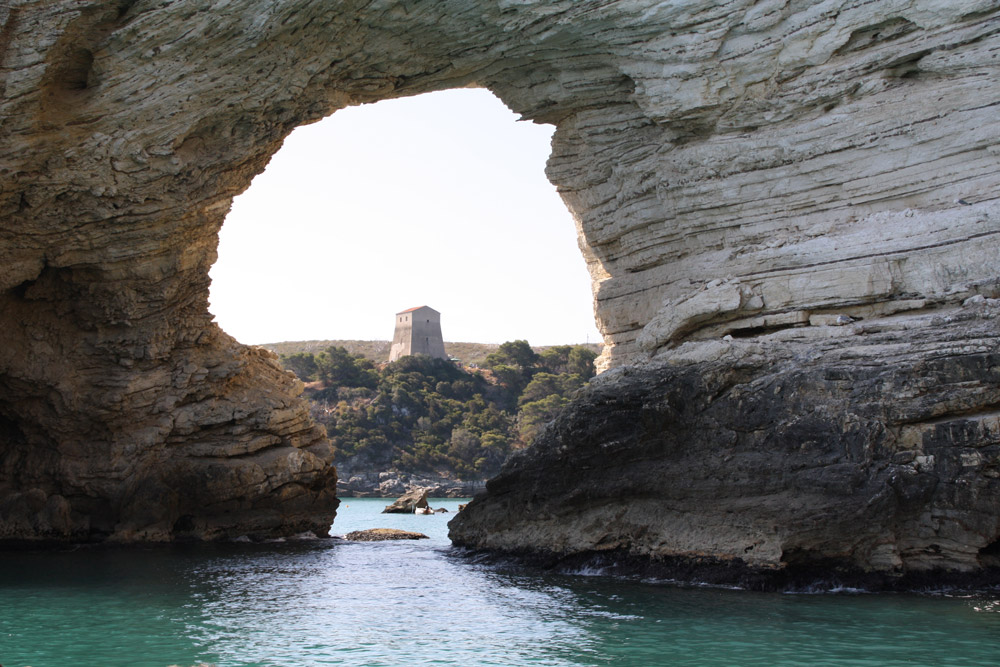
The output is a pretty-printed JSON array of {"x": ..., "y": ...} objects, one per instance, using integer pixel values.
[{"x": 333, "y": 602}]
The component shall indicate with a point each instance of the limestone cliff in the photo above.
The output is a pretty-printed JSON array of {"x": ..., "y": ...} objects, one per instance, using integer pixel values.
[
  {"x": 868, "y": 450},
  {"x": 734, "y": 167}
]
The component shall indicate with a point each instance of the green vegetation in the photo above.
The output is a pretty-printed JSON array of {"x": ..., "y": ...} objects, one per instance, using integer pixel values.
[
  {"x": 426, "y": 415},
  {"x": 378, "y": 350}
]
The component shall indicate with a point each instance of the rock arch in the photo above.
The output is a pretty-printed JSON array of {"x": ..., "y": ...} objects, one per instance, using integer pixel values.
[{"x": 736, "y": 168}]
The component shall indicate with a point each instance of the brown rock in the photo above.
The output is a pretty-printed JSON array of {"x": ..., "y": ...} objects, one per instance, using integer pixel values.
[
  {"x": 408, "y": 503},
  {"x": 383, "y": 535}
]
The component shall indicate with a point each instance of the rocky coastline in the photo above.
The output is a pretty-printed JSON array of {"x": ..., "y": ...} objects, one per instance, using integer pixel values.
[
  {"x": 820, "y": 577},
  {"x": 789, "y": 211},
  {"x": 359, "y": 483},
  {"x": 773, "y": 459}
]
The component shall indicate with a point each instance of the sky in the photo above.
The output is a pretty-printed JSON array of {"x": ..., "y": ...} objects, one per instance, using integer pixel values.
[{"x": 437, "y": 200}]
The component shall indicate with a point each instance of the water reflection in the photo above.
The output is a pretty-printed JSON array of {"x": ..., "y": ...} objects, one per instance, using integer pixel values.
[
  {"x": 375, "y": 604},
  {"x": 95, "y": 607},
  {"x": 328, "y": 602}
]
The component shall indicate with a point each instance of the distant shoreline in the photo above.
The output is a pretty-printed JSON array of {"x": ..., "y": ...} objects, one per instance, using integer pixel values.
[{"x": 378, "y": 350}]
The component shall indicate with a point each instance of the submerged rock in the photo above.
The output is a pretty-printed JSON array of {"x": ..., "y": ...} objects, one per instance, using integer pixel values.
[
  {"x": 383, "y": 535},
  {"x": 408, "y": 503}
]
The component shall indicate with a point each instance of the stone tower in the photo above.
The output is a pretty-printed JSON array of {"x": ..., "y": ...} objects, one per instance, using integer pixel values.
[{"x": 418, "y": 331}]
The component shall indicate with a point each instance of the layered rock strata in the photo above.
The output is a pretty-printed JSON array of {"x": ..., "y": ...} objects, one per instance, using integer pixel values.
[
  {"x": 871, "y": 448},
  {"x": 734, "y": 167}
]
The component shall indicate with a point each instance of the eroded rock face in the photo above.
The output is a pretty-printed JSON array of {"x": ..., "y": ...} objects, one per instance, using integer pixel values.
[
  {"x": 768, "y": 460},
  {"x": 735, "y": 167}
]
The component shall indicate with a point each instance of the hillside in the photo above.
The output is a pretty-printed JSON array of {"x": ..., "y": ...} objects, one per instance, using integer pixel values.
[
  {"x": 378, "y": 350},
  {"x": 421, "y": 416}
]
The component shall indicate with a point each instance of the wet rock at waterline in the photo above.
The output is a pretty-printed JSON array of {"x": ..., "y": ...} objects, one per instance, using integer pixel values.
[
  {"x": 735, "y": 169},
  {"x": 383, "y": 535}
]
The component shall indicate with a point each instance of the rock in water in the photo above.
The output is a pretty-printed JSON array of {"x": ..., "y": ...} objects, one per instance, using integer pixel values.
[
  {"x": 383, "y": 535},
  {"x": 797, "y": 460},
  {"x": 408, "y": 503},
  {"x": 737, "y": 169}
]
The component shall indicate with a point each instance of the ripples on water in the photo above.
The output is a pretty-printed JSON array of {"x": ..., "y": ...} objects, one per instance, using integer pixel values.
[{"x": 417, "y": 603}]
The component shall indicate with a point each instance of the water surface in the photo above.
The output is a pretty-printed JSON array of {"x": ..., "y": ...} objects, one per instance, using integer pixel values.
[{"x": 326, "y": 602}]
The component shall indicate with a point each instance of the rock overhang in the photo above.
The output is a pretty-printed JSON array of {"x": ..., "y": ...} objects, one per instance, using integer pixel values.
[{"x": 734, "y": 168}]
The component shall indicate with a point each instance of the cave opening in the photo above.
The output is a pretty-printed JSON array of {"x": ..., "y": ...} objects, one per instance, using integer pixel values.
[
  {"x": 439, "y": 199},
  {"x": 11, "y": 436},
  {"x": 989, "y": 556}
]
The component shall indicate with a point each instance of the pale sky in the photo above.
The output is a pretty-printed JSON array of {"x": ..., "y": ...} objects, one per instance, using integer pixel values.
[{"x": 437, "y": 200}]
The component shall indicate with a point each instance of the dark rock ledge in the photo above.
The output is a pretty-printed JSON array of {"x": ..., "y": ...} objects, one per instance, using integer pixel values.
[
  {"x": 819, "y": 576},
  {"x": 870, "y": 456}
]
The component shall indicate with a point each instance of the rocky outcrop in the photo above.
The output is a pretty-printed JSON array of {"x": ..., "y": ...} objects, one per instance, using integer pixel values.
[
  {"x": 383, "y": 535},
  {"x": 735, "y": 168},
  {"x": 408, "y": 503},
  {"x": 199, "y": 451},
  {"x": 874, "y": 448}
]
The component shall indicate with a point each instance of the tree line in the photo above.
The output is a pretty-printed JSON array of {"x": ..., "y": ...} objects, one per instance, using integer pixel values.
[{"x": 425, "y": 415}]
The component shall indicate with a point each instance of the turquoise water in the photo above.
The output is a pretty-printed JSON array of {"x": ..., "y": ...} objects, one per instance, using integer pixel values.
[{"x": 325, "y": 602}]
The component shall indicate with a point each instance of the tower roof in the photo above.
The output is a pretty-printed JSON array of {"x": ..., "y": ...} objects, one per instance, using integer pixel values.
[{"x": 410, "y": 310}]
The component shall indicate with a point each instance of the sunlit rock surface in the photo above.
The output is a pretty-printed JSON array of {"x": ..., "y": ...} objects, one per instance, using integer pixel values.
[{"x": 735, "y": 168}]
